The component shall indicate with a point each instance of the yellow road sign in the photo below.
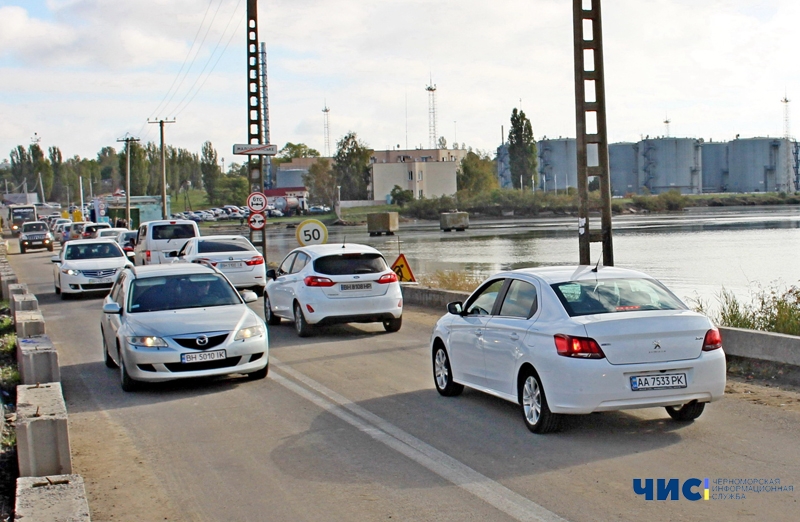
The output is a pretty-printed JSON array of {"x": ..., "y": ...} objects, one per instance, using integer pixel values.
[{"x": 403, "y": 270}]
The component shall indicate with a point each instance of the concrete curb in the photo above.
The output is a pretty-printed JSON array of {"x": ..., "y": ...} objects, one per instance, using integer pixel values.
[{"x": 51, "y": 498}]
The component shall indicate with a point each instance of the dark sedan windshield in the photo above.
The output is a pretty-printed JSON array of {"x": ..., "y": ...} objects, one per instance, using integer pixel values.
[
  {"x": 154, "y": 294},
  {"x": 615, "y": 295}
]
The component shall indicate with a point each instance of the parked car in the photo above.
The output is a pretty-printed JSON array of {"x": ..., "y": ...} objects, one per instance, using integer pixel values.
[
  {"x": 166, "y": 322},
  {"x": 575, "y": 340},
  {"x": 234, "y": 256},
  {"x": 157, "y": 238},
  {"x": 327, "y": 284},
  {"x": 317, "y": 209},
  {"x": 35, "y": 234},
  {"x": 87, "y": 265},
  {"x": 111, "y": 233}
]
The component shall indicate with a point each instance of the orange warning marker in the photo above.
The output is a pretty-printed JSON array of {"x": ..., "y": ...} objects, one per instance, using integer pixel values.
[{"x": 403, "y": 271}]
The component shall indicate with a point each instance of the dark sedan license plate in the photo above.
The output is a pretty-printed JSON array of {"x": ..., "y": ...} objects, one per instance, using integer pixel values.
[
  {"x": 664, "y": 381},
  {"x": 203, "y": 356},
  {"x": 355, "y": 286}
]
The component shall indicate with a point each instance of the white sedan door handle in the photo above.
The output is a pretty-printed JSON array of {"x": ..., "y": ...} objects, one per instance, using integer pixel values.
[
  {"x": 514, "y": 337},
  {"x": 478, "y": 333}
]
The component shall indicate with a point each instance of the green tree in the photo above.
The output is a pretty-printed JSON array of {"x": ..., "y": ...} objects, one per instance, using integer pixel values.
[
  {"x": 321, "y": 182},
  {"x": 352, "y": 167},
  {"x": 401, "y": 197},
  {"x": 42, "y": 170},
  {"x": 109, "y": 167},
  {"x": 232, "y": 190},
  {"x": 521, "y": 150},
  {"x": 21, "y": 165},
  {"x": 476, "y": 174},
  {"x": 140, "y": 175},
  {"x": 295, "y": 150},
  {"x": 210, "y": 170}
]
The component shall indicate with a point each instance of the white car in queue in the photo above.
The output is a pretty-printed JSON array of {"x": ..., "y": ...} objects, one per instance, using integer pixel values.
[
  {"x": 87, "y": 265},
  {"x": 328, "y": 284},
  {"x": 165, "y": 322},
  {"x": 234, "y": 256},
  {"x": 577, "y": 340}
]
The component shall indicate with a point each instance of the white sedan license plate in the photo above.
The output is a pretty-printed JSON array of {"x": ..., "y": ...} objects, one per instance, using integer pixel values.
[
  {"x": 203, "y": 356},
  {"x": 664, "y": 381},
  {"x": 223, "y": 266},
  {"x": 356, "y": 286},
  {"x": 101, "y": 280}
]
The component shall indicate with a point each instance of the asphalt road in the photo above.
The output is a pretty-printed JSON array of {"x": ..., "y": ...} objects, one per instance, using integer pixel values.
[{"x": 348, "y": 426}]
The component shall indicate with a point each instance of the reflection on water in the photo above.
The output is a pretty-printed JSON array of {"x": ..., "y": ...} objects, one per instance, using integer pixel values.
[{"x": 695, "y": 254}]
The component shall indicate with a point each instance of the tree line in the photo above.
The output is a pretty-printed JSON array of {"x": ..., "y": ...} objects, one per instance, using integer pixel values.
[{"x": 346, "y": 174}]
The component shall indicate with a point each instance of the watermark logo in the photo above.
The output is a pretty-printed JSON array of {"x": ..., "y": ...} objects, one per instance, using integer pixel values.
[{"x": 694, "y": 489}]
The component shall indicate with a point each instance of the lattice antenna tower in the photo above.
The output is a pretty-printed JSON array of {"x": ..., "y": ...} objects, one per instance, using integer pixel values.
[
  {"x": 787, "y": 131},
  {"x": 667, "y": 121},
  {"x": 432, "y": 140},
  {"x": 326, "y": 111}
]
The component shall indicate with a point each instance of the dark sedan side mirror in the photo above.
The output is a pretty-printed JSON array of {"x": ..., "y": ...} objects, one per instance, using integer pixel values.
[
  {"x": 272, "y": 274},
  {"x": 455, "y": 308}
]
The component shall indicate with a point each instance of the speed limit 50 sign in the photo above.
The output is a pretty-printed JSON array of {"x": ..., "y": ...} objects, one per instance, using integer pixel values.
[
  {"x": 257, "y": 202},
  {"x": 311, "y": 232}
]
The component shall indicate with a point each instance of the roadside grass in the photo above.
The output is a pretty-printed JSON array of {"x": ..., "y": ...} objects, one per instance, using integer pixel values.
[
  {"x": 451, "y": 280},
  {"x": 771, "y": 309},
  {"x": 196, "y": 201},
  {"x": 9, "y": 379}
]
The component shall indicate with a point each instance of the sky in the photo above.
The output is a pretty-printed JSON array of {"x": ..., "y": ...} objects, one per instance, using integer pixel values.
[{"x": 81, "y": 74}]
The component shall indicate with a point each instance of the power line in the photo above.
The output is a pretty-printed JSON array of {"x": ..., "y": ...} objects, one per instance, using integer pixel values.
[
  {"x": 184, "y": 60},
  {"x": 181, "y": 109}
]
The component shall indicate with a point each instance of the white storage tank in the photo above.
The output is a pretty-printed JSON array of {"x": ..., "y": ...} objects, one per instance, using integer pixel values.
[
  {"x": 760, "y": 165},
  {"x": 670, "y": 164}
]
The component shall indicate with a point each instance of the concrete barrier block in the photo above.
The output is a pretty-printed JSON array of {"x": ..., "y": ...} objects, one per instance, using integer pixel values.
[
  {"x": 29, "y": 324},
  {"x": 18, "y": 288},
  {"x": 430, "y": 297},
  {"x": 42, "y": 431},
  {"x": 37, "y": 360},
  {"x": 51, "y": 498},
  {"x": 10, "y": 279},
  {"x": 766, "y": 346},
  {"x": 23, "y": 303}
]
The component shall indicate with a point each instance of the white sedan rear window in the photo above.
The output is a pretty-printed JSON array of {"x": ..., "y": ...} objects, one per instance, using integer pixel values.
[{"x": 615, "y": 295}]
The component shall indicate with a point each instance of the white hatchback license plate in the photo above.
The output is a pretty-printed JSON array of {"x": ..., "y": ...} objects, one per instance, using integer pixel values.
[
  {"x": 356, "y": 286},
  {"x": 664, "y": 381},
  {"x": 223, "y": 266},
  {"x": 203, "y": 356},
  {"x": 101, "y": 281}
]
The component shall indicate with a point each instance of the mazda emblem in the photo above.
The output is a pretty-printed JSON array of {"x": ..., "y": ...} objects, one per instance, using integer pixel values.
[{"x": 202, "y": 340}]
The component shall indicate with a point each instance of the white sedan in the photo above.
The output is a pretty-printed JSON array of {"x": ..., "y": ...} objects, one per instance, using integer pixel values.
[
  {"x": 234, "y": 256},
  {"x": 328, "y": 284},
  {"x": 87, "y": 265},
  {"x": 576, "y": 340}
]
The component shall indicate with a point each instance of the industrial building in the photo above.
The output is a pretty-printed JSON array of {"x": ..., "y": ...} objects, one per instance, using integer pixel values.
[{"x": 657, "y": 165}]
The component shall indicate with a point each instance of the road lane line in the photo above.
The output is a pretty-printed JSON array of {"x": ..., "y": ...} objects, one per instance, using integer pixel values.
[{"x": 450, "y": 469}]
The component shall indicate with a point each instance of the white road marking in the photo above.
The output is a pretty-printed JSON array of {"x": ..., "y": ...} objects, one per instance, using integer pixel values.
[{"x": 450, "y": 469}]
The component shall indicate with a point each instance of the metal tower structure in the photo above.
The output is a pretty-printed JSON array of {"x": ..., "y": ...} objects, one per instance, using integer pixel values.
[
  {"x": 590, "y": 123},
  {"x": 432, "y": 139},
  {"x": 787, "y": 131},
  {"x": 667, "y": 121},
  {"x": 327, "y": 130},
  {"x": 266, "y": 161}
]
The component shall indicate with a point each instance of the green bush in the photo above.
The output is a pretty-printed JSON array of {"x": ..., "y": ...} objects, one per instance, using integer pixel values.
[{"x": 771, "y": 310}]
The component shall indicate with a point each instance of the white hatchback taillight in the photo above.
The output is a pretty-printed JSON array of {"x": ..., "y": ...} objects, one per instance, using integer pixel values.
[
  {"x": 318, "y": 281},
  {"x": 387, "y": 278}
]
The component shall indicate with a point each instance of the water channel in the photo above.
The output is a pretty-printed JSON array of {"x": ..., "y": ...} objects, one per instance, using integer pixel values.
[{"x": 695, "y": 253}]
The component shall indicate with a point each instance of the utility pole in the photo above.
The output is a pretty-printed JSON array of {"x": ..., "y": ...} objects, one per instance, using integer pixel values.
[
  {"x": 255, "y": 134},
  {"x": 266, "y": 160},
  {"x": 590, "y": 116},
  {"x": 163, "y": 168},
  {"x": 127, "y": 140}
]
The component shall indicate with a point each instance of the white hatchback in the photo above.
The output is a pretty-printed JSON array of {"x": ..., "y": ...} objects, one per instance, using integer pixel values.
[
  {"x": 234, "y": 256},
  {"x": 328, "y": 284},
  {"x": 575, "y": 340}
]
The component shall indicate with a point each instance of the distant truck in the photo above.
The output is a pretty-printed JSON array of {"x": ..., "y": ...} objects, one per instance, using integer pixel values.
[
  {"x": 289, "y": 205},
  {"x": 19, "y": 214}
]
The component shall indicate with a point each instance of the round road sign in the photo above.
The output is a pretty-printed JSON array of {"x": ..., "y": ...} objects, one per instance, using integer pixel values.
[
  {"x": 257, "y": 202},
  {"x": 256, "y": 221},
  {"x": 311, "y": 232}
]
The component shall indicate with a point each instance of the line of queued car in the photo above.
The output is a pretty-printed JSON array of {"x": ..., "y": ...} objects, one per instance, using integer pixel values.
[{"x": 557, "y": 341}]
